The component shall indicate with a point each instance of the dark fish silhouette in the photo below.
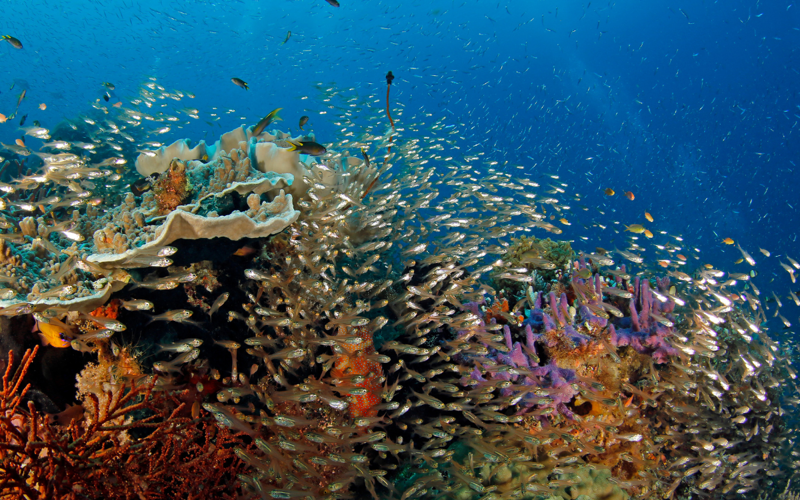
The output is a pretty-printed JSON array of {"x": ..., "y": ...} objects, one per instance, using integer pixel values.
[
  {"x": 13, "y": 41},
  {"x": 239, "y": 82},
  {"x": 262, "y": 124}
]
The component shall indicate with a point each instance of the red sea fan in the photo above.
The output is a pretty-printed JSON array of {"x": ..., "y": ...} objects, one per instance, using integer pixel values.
[{"x": 176, "y": 457}]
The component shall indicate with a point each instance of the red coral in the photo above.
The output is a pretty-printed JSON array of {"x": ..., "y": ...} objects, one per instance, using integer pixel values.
[
  {"x": 355, "y": 362},
  {"x": 111, "y": 311},
  {"x": 179, "y": 457},
  {"x": 499, "y": 311}
]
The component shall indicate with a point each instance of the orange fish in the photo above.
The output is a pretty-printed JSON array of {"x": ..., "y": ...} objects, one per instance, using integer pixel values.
[
  {"x": 20, "y": 142},
  {"x": 72, "y": 412},
  {"x": 3, "y": 118},
  {"x": 51, "y": 334},
  {"x": 118, "y": 104},
  {"x": 728, "y": 241},
  {"x": 681, "y": 256},
  {"x": 629, "y": 195},
  {"x": 43, "y": 106},
  {"x": 245, "y": 251},
  {"x": 609, "y": 191},
  {"x": 648, "y": 233},
  {"x": 648, "y": 216},
  {"x": 663, "y": 263}
]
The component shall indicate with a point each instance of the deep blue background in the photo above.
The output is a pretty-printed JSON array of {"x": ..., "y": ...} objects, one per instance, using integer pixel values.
[{"x": 692, "y": 106}]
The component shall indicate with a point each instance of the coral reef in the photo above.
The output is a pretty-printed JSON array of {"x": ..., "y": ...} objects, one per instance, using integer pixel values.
[
  {"x": 547, "y": 258},
  {"x": 50, "y": 263},
  {"x": 349, "y": 345},
  {"x": 157, "y": 162}
]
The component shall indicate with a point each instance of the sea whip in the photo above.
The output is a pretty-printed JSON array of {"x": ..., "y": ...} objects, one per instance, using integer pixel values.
[{"x": 389, "y": 78}]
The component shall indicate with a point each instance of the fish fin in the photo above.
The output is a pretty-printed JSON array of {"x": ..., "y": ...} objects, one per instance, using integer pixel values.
[{"x": 294, "y": 145}]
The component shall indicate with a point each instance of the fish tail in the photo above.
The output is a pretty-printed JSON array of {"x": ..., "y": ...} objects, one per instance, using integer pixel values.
[{"x": 294, "y": 145}]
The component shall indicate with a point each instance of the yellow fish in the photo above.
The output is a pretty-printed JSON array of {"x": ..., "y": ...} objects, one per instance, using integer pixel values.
[
  {"x": 635, "y": 228},
  {"x": 648, "y": 216},
  {"x": 52, "y": 335},
  {"x": 728, "y": 241}
]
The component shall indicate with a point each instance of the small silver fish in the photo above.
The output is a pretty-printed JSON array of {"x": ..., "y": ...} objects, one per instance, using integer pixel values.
[
  {"x": 182, "y": 346},
  {"x": 137, "y": 305},
  {"x": 228, "y": 344},
  {"x": 178, "y": 315},
  {"x": 218, "y": 303}
]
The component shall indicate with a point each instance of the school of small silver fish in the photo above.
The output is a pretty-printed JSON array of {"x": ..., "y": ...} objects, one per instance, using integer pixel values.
[{"x": 366, "y": 371}]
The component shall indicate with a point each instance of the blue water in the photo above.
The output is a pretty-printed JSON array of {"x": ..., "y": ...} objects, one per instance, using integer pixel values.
[{"x": 692, "y": 106}]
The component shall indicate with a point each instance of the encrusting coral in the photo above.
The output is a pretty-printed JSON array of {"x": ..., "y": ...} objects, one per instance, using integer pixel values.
[
  {"x": 548, "y": 258},
  {"x": 172, "y": 188}
]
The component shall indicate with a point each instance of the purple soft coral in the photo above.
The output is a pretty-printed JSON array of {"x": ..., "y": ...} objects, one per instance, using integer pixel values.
[
  {"x": 646, "y": 334},
  {"x": 559, "y": 385},
  {"x": 557, "y": 382},
  {"x": 585, "y": 311}
]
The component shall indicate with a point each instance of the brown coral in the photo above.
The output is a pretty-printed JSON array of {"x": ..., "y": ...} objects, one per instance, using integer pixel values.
[{"x": 172, "y": 188}]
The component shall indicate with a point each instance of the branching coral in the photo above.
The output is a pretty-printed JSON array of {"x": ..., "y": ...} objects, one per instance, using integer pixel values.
[{"x": 176, "y": 455}]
